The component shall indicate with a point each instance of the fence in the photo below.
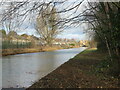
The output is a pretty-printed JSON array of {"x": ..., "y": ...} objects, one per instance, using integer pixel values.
[{"x": 9, "y": 44}]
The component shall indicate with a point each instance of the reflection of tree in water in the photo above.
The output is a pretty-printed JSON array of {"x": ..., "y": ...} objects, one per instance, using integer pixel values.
[
  {"x": 47, "y": 64},
  {"x": 10, "y": 72}
]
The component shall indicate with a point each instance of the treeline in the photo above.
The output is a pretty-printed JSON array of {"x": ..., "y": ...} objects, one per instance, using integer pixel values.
[
  {"x": 11, "y": 40},
  {"x": 104, "y": 20}
]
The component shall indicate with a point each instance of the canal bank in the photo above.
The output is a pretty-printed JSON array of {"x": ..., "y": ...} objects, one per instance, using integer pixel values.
[
  {"x": 6, "y": 52},
  {"x": 23, "y": 70},
  {"x": 77, "y": 73}
]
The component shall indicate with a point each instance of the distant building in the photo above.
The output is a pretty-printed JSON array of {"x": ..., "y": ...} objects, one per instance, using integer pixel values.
[{"x": 83, "y": 43}]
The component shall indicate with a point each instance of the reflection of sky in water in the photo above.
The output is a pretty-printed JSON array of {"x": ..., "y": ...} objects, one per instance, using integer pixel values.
[
  {"x": 0, "y": 72},
  {"x": 22, "y": 70}
]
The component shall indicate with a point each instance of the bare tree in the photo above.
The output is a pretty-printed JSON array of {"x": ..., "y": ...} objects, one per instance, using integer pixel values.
[
  {"x": 104, "y": 19},
  {"x": 28, "y": 9},
  {"x": 46, "y": 25}
]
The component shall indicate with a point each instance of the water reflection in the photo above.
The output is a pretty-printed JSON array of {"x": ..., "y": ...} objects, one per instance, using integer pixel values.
[
  {"x": 23, "y": 70},
  {"x": 0, "y": 72}
]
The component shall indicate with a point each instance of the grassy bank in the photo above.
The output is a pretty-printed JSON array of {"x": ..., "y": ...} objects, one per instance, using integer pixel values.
[
  {"x": 6, "y": 52},
  {"x": 13, "y": 51},
  {"x": 79, "y": 72}
]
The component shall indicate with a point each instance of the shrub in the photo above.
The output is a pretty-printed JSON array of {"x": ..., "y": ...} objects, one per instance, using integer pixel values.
[{"x": 109, "y": 67}]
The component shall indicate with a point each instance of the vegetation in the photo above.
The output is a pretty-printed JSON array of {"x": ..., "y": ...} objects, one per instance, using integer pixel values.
[
  {"x": 104, "y": 19},
  {"x": 72, "y": 44},
  {"x": 46, "y": 25},
  {"x": 8, "y": 43},
  {"x": 12, "y": 45},
  {"x": 3, "y": 32},
  {"x": 78, "y": 72}
]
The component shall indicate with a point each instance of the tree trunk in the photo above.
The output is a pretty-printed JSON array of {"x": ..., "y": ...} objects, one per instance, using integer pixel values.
[{"x": 109, "y": 51}]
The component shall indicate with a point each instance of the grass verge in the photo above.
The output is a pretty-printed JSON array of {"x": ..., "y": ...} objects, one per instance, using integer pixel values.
[{"x": 79, "y": 72}]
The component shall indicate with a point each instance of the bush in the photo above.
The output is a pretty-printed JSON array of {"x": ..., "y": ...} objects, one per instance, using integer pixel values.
[
  {"x": 109, "y": 67},
  {"x": 114, "y": 66},
  {"x": 72, "y": 44},
  {"x": 101, "y": 46}
]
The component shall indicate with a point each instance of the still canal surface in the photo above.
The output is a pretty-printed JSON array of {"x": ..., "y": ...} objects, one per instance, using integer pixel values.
[{"x": 22, "y": 70}]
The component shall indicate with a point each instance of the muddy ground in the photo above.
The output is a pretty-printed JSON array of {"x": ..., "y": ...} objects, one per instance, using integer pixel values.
[{"x": 78, "y": 73}]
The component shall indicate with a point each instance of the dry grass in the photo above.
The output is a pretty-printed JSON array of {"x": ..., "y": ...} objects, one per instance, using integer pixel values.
[
  {"x": 6, "y": 52},
  {"x": 51, "y": 48}
]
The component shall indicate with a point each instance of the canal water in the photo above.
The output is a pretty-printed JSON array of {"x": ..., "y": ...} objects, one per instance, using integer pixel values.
[{"x": 22, "y": 70}]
